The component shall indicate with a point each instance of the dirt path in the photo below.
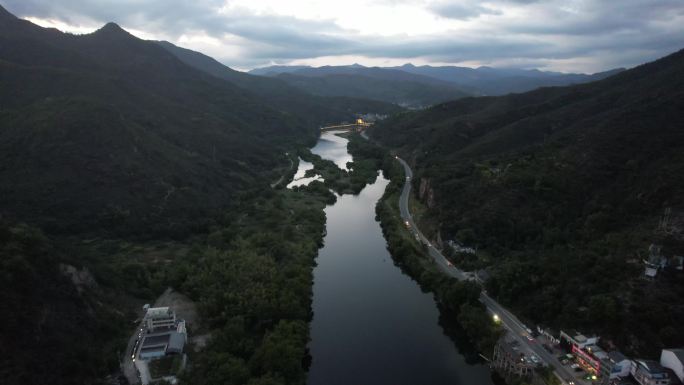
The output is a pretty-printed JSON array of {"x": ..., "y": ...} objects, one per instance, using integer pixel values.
[{"x": 283, "y": 176}]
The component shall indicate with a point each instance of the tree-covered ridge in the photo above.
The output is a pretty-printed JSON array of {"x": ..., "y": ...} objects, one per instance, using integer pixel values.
[
  {"x": 107, "y": 131},
  {"x": 563, "y": 190},
  {"x": 405, "y": 92},
  {"x": 314, "y": 110}
]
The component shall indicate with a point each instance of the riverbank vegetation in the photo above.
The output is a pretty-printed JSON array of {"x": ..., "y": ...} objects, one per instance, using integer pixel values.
[
  {"x": 368, "y": 159},
  {"x": 459, "y": 300},
  {"x": 252, "y": 279}
]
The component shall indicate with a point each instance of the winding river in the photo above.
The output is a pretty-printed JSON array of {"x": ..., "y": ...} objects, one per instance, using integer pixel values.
[{"x": 372, "y": 324}]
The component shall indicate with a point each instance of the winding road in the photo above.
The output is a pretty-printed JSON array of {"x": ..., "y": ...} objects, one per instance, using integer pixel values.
[{"x": 509, "y": 320}]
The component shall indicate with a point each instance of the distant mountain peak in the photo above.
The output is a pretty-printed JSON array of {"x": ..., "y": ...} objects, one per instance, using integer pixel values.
[
  {"x": 112, "y": 29},
  {"x": 408, "y": 65}
]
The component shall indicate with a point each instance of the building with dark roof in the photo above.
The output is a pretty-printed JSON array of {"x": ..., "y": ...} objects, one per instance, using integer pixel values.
[
  {"x": 615, "y": 365},
  {"x": 648, "y": 372}
]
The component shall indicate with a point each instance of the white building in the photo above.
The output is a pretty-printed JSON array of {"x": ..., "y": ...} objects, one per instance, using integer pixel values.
[
  {"x": 673, "y": 359},
  {"x": 159, "y": 318},
  {"x": 578, "y": 340}
]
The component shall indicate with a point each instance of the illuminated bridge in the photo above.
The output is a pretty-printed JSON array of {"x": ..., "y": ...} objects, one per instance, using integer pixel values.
[{"x": 359, "y": 125}]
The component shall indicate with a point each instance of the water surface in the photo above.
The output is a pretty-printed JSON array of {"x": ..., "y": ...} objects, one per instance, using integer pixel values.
[
  {"x": 333, "y": 147},
  {"x": 372, "y": 324}
]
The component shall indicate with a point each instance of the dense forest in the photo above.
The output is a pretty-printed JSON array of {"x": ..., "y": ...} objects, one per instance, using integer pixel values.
[
  {"x": 122, "y": 135},
  {"x": 124, "y": 170},
  {"x": 562, "y": 190},
  {"x": 57, "y": 328}
]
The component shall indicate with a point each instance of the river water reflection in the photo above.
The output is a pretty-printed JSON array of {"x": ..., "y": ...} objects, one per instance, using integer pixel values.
[{"x": 372, "y": 324}]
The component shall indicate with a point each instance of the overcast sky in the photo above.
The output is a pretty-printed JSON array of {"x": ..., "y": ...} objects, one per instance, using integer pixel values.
[{"x": 562, "y": 35}]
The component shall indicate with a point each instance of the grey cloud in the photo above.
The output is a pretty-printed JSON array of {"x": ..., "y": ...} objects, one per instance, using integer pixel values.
[
  {"x": 462, "y": 10},
  {"x": 599, "y": 33}
]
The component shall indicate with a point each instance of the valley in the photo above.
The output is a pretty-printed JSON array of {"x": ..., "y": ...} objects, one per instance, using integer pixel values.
[{"x": 473, "y": 201}]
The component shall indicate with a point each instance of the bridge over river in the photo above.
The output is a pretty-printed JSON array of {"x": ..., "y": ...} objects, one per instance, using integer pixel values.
[{"x": 357, "y": 126}]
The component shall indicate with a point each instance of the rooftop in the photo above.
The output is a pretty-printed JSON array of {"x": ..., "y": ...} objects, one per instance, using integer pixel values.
[
  {"x": 158, "y": 312},
  {"x": 651, "y": 366},
  {"x": 616, "y": 356},
  {"x": 156, "y": 339}
]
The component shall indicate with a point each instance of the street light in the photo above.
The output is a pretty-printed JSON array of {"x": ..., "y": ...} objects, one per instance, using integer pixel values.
[{"x": 496, "y": 318}]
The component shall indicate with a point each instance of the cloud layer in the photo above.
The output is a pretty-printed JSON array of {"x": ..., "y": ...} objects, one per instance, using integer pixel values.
[{"x": 566, "y": 35}]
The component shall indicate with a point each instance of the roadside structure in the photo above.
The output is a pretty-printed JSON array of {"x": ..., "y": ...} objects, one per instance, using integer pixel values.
[
  {"x": 648, "y": 372},
  {"x": 614, "y": 366},
  {"x": 577, "y": 340}
]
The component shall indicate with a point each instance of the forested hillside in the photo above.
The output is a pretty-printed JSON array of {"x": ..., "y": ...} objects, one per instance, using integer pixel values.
[
  {"x": 416, "y": 93},
  {"x": 563, "y": 190},
  {"x": 315, "y": 110},
  {"x": 107, "y": 131},
  {"x": 124, "y": 170}
]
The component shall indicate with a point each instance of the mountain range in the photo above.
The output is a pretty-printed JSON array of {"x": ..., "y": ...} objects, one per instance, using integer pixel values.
[
  {"x": 108, "y": 131},
  {"x": 420, "y": 86}
]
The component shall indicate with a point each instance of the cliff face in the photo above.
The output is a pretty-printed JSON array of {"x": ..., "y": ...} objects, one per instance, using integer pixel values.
[{"x": 426, "y": 193}]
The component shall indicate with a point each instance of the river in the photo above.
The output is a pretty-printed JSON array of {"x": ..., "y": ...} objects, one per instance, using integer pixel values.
[{"x": 372, "y": 324}]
